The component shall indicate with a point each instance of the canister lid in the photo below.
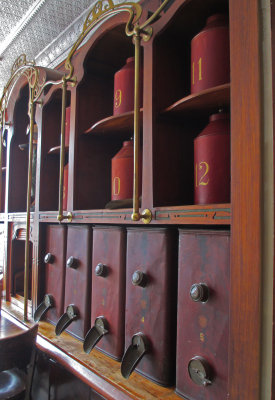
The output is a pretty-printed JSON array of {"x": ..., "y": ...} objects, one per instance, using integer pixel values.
[
  {"x": 216, "y": 20},
  {"x": 127, "y": 143},
  {"x": 218, "y": 124},
  {"x": 218, "y": 116},
  {"x": 130, "y": 60}
]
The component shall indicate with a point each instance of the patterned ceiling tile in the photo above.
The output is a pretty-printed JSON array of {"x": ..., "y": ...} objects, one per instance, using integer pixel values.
[
  {"x": 11, "y": 13},
  {"x": 49, "y": 35},
  {"x": 47, "y": 29}
]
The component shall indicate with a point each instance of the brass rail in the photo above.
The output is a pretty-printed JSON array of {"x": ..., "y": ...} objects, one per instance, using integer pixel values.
[
  {"x": 146, "y": 216},
  {"x": 27, "y": 241},
  {"x": 60, "y": 216}
]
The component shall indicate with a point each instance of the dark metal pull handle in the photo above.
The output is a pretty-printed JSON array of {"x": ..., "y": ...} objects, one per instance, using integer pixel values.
[
  {"x": 72, "y": 262},
  {"x": 101, "y": 270},
  {"x": 49, "y": 258},
  {"x": 200, "y": 371},
  {"x": 94, "y": 335},
  {"x": 66, "y": 319},
  {"x": 48, "y": 302},
  {"x": 199, "y": 292},
  {"x": 138, "y": 347},
  {"x": 139, "y": 278}
]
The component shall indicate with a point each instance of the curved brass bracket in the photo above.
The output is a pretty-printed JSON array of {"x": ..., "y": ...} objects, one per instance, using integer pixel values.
[
  {"x": 61, "y": 217},
  {"x": 146, "y": 216}
]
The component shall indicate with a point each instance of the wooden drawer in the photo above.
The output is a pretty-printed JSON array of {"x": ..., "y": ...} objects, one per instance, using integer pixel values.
[{"x": 203, "y": 314}]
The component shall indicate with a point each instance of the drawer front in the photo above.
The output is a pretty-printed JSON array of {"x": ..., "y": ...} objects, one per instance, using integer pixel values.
[
  {"x": 151, "y": 309},
  {"x": 78, "y": 282},
  {"x": 203, "y": 314},
  {"x": 108, "y": 288},
  {"x": 56, "y": 237}
]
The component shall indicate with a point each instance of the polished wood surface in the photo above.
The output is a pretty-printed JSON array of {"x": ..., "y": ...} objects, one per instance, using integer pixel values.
[
  {"x": 9, "y": 328},
  {"x": 207, "y": 101},
  {"x": 119, "y": 125},
  {"x": 245, "y": 296},
  {"x": 97, "y": 370},
  {"x": 16, "y": 343},
  {"x": 273, "y": 87},
  {"x": 168, "y": 172}
]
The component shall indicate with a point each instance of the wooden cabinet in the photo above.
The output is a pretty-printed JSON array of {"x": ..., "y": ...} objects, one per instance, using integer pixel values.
[{"x": 170, "y": 119}]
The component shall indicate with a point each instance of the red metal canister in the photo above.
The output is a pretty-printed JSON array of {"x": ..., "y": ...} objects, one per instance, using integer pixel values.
[
  {"x": 54, "y": 259},
  {"x": 124, "y": 83},
  {"x": 212, "y": 162},
  {"x": 150, "y": 310},
  {"x": 76, "y": 317},
  {"x": 108, "y": 291},
  {"x": 210, "y": 65},
  {"x": 122, "y": 172}
]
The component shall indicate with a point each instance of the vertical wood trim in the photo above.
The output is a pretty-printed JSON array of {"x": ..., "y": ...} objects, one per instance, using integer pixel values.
[
  {"x": 273, "y": 96},
  {"x": 244, "y": 347}
]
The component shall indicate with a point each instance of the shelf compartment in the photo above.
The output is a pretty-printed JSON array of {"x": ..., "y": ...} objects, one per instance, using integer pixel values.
[
  {"x": 18, "y": 168},
  {"x": 99, "y": 135},
  {"x": 206, "y": 102},
  {"x": 50, "y": 150},
  {"x": 120, "y": 125}
]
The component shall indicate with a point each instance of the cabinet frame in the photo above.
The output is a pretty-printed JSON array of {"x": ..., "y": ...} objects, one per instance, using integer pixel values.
[{"x": 246, "y": 192}]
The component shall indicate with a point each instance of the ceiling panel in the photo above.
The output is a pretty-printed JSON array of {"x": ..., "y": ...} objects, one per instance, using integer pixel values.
[{"x": 30, "y": 26}]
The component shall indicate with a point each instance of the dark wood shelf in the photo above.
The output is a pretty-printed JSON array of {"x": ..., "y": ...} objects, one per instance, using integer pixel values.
[
  {"x": 122, "y": 124},
  {"x": 207, "y": 101},
  {"x": 56, "y": 150},
  {"x": 205, "y": 214},
  {"x": 210, "y": 214}
]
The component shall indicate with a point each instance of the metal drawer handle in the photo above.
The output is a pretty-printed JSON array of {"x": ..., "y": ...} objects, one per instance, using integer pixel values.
[
  {"x": 47, "y": 303},
  {"x": 138, "y": 348},
  {"x": 66, "y": 319},
  {"x": 94, "y": 335}
]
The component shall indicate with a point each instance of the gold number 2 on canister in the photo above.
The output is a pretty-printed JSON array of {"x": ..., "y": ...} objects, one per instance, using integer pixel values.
[{"x": 204, "y": 180}]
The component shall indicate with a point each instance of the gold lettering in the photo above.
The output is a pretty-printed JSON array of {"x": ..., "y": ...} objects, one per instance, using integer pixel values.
[
  {"x": 116, "y": 185},
  {"x": 200, "y": 75},
  {"x": 118, "y": 97},
  {"x": 203, "y": 165},
  {"x": 193, "y": 73}
]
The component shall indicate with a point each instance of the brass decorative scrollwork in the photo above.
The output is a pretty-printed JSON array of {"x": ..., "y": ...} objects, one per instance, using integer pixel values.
[
  {"x": 37, "y": 84},
  {"x": 100, "y": 11}
]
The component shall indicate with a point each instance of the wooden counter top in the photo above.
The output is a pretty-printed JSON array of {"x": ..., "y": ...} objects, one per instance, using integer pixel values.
[{"x": 95, "y": 369}]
